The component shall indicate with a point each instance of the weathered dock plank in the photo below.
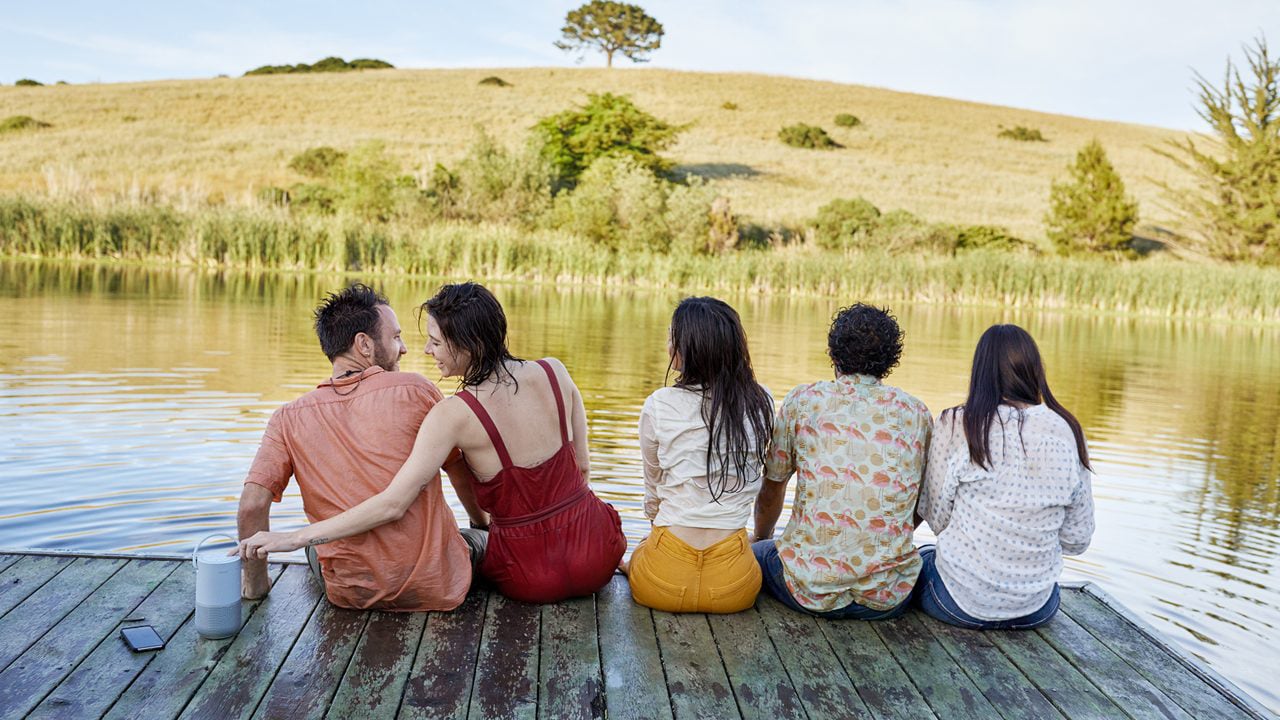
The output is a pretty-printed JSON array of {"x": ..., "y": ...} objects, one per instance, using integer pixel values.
[
  {"x": 696, "y": 680},
  {"x": 569, "y": 662},
  {"x": 22, "y": 626},
  {"x": 759, "y": 681},
  {"x": 635, "y": 687},
  {"x": 7, "y": 560},
  {"x": 171, "y": 676},
  {"x": 506, "y": 683},
  {"x": 316, "y": 663},
  {"x": 51, "y": 658},
  {"x": 440, "y": 684},
  {"x": 27, "y": 575},
  {"x": 101, "y": 678},
  {"x": 237, "y": 682},
  {"x": 945, "y": 687},
  {"x": 1139, "y": 698},
  {"x": 1068, "y": 690},
  {"x": 1001, "y": 682},
  {"x": 375, "y": 678},
  {"x": 877, "y": 677},
  {"x": 1148, "y": 659},
  {"x": 824, "y": 688}
]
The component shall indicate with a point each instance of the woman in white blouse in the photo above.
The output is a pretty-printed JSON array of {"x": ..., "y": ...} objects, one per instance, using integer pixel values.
[
  {"x": 1007, "y": 491},
  {"x": 703, "y": 443}
]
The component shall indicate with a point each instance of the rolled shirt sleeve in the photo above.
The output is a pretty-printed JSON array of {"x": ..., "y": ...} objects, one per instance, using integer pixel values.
[
  {"x": 1077, "y": 527},
  {"x": 649, "y": 454},
  {"x": 780, "y": 460},
  {"x": 272, "y": 467}
]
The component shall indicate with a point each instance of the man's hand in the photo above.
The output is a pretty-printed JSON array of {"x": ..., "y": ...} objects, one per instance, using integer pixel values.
[{"x": 257, "y": 547}]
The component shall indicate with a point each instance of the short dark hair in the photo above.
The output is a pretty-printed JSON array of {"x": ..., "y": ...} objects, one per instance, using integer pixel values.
[
  {"x": 347, "y": 313},
  {"x": 864, "y": 340}
]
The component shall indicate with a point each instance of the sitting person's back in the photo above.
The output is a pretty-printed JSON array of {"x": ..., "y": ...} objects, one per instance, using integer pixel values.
[
  {"x": 1007, "y": 493},
  {"x": 857, "y": 449}
]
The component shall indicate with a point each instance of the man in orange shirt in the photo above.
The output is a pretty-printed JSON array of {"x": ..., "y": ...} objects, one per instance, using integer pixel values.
[{"x": 344, "y": 441}]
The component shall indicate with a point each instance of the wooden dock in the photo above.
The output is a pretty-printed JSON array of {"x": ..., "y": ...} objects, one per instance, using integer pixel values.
[{"x": 602, "y": 656}]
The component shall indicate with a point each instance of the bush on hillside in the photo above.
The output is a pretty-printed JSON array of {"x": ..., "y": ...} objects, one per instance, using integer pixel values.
[
  {"x": 899, "y": 231},
  {"x": 14, "y": 123},
  {"x": 607, "y": 126},
  {"x": 329, "y": 64},
  {"x": 28, "y": 82},
  {"x": 313, "y": 198},
  {"x": 493, "y": 184},
  {"x": 845, "y": 223},
  {"x": 807, "y": 136},
  {"x": 729, "y": 105},
  {"x": 989, "y": 237},
  {"x": 1091, "y": 212},
  {"x": 1021, "y": 134},
  {"x": 317, "y": 162},
  {"x": 495, "y": 81},
  {"x": 847, "y": 120}
]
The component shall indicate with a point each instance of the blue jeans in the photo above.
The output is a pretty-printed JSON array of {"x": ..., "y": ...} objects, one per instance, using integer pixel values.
[
  {"x": 937, "y": 603},
  {"x": 776, "y": 585}
]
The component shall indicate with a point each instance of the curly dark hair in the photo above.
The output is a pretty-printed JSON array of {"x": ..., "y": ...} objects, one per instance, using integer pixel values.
[{"x": 864, "y": 340}]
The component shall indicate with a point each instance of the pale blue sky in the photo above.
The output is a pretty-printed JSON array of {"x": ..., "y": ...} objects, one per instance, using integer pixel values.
[{"x": 1126, "y": 60}]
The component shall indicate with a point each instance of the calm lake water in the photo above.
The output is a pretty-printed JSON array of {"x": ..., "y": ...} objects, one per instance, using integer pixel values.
[{"x": 132, "y": 401}]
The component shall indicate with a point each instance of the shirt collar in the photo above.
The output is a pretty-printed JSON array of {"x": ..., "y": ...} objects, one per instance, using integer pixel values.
[
  {"x": 352, "y": 378},
  {"x": 857, "y": 379}
]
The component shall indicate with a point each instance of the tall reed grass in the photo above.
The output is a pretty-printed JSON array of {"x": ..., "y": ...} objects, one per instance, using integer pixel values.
[{"x": 276, "y": 240}]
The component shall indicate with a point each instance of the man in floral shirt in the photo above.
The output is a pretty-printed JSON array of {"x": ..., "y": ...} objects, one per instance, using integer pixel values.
[{"x": 857, "y": 448}]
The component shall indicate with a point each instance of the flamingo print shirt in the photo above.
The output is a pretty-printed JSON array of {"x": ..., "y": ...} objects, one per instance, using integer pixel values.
[{"x": 857, "y": 449}]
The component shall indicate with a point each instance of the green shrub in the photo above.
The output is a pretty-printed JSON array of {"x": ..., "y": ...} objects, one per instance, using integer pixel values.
[
  {"x": 607, "y": 126},
  {"x": 847, "y": 120},
  {"x": 365, "y": 185},
  {"x": 729, "y": 105},
  {"x": 28, "y": 82},
  {"x": 314, "y": 198},
  {"x": 1022, "y": 134},
  {"x": 495, "y": 81},
  {"x": 62, "y": 82},
  {"x": 14, "y": 123},
  {"x": 617, "y": 203},
  {"x": 329, "y": 64},
  {"x": 369, "y": 64},
  {"x": 899, "y": 231},
  {"x": 493, "y": 184},
  {"x": 988, "y": 237},
  {"x": 129, "y": 118},
  {"x": 807, "y": 136},
  {"x": 317, "y": 161},
  {"x": 1091, "y": 212},
  {"x": 845, "y": 223}
]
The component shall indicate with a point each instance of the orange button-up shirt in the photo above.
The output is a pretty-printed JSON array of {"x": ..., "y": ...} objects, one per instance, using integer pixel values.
[{"x": 344, "y": 442}]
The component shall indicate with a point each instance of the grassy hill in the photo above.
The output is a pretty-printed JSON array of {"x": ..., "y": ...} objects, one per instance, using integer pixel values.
[{"x": 217, "y": 141}]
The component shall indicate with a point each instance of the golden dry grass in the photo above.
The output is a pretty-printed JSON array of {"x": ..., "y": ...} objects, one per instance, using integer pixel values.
[{"x": 219, "y": 140}]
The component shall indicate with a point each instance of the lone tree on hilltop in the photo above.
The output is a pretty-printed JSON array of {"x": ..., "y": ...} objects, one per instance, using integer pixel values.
[
  {"x": 611, "y": 27},
  {"x": 1091, "y": 212},
  {"x": 1235, "y": 207}
]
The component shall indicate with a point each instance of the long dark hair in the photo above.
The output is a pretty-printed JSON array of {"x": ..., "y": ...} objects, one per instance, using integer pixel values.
[
  {"x": 471, "y": 319},
  {"x": 708, "y": 336},
  {"x": 1007, "y": 368}
]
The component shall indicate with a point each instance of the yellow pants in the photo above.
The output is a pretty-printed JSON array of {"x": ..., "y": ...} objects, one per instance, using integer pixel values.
[{"x": 666, "y": 573}]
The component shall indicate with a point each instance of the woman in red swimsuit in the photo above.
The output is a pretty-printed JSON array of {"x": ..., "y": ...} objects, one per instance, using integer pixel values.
[{"x": 522, "y": 429}]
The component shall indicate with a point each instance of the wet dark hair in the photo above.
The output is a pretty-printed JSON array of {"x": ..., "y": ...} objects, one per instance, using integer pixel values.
[
  {"x": 864, "y": 340},
  {"x": 712, "y": 345},
  {"x": 471, "y": 320},
  {"x": 1007, "y": 368},
  {"x": 344, "y": 314}
]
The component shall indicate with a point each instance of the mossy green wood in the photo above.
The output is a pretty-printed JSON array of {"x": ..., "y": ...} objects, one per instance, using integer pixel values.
[
  {"x": 760, "y": 682},
  {"x": 241, "y": 676},
  {"x": 172, "y": 677},
  {"x": 25, "y": 682},
  {"x": 1148, "y": 659},
  {"x": 506, "y": 684},
  {"x": 101, "y": 677},
  {"x": 1109, "y": 672},
  {"x": 22, "y": 626},
  {"x": 305, "y": 683},
  {"x": 375, "y": 678},
  {"x": 943, "y": 684},
  {"x": 825, "y": 690},
  {"x": 444, "y": 670},
  {"x": 696, "y": 680},
  {"x": 635, "y": 687},
  {"x": 1001, "y": 682},
  {"x": 27, "y": 575},
  {"x": 569, "y": 664},
  {"x": 877, "y": 677},
  {"x": 1064, "y": 685}
]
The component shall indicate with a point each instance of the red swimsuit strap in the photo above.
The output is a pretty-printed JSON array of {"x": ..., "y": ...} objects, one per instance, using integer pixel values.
[
  {"x": 483, "y": 416},
  {"x": 555, "y": 390}
]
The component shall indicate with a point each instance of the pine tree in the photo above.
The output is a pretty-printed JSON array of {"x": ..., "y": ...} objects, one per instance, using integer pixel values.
[{"x": 1091, "y": 212}]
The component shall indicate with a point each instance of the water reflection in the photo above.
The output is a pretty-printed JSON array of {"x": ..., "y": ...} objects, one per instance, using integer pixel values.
[{"x": 131, "y": 402}]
